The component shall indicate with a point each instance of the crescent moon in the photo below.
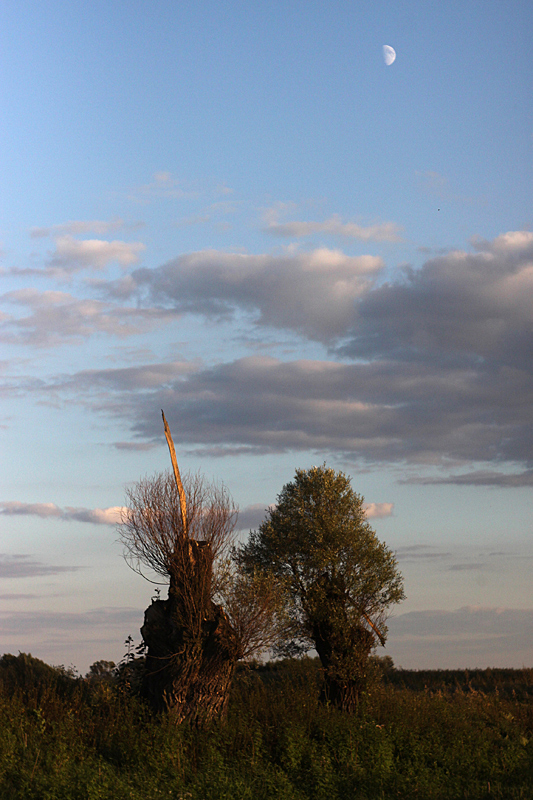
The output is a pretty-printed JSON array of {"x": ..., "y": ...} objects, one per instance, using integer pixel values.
[{"x": 389, "y": 54}]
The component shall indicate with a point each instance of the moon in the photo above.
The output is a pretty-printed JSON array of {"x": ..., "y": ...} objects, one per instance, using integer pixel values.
[{"x": 389, "y": 54}]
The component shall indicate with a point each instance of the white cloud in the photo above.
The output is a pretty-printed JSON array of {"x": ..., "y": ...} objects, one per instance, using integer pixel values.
[
  {"x": 72, "y": 254},
  {"x": 375, "y": 510},
  {"x": 58, "y": 317},
  {"x": 334, "y": 226},
  {"x": 97, "y": 516}
]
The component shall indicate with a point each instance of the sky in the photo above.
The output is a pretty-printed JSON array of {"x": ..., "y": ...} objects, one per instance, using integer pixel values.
[{"x": 239, "y": 213}]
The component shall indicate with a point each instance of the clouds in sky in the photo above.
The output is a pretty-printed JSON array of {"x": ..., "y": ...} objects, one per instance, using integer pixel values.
[
  {"x": 478, "y": 478},
  {"x": 381, "y": 410},
  {"x": 76, "y": 227},
  {"x": 24, "y": 566},
  {"x": 55, "y": 318},
  {"x": 311, "y": 293},
  {"x": 468, "y": 637},
  {"x": 253, "y": 515},
  {"x": 72, "y": 254},
  {"x": 85, "y": 635},
  {"x": 97, "y": 516},
  {"x": 334, "y": 226},
  {"x": 459, "y": 306},
  {"x": 470, "y": 306},
  {"x": 433, "y": 367}
]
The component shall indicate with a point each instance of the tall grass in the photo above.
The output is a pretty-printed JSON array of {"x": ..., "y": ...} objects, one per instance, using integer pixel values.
[{"x": 62, "y": 737}]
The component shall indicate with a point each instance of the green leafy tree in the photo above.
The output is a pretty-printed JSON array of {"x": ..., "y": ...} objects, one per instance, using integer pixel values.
[{"x": 339, "y": 579}]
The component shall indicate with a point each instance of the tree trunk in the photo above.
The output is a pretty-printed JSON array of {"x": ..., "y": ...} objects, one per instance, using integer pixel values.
[
  {"x": 343, "y": 647},
  {"x": 345, "y": 662},
  {"x": 192, "y": 647}
]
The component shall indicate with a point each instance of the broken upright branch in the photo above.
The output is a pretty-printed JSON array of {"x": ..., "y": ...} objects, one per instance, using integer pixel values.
[{"x": 181, "y": 491}]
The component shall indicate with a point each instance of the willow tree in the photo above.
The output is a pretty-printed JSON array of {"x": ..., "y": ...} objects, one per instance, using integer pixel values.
[
  {"x": 183, "y": 531},
  {"x": 339, "y": 579}
]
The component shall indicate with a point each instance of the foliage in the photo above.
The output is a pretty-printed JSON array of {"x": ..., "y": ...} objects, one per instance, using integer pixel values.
[
  {"x": 340, "y": 580},
  {"x": 278, "y": 741},
  {"x": 152, "y": 526},
  {"x": 101, "y": 671},
  {"x": 256, "y": 608}
]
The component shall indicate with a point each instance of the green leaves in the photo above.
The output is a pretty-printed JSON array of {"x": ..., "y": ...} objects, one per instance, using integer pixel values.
[{"x": 340, "y": 578}]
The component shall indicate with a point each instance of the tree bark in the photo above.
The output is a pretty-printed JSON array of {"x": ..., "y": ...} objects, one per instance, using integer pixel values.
[
  {"x": 342, "y": 646},
  {"x": 192, "y": 647}
]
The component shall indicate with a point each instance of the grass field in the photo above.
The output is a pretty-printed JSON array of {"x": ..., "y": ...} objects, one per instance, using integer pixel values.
[{"x": 441, "y": 734}]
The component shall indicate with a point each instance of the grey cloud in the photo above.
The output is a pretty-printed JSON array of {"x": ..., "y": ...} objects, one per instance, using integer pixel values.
[
  {"x": 23, "y": 623},
  {"x": 419, "y": 551},
  {"x": 465, "y": 567},
  {"x": 442, "y": 358},
  {"x": 461, "y": 309},
  {"x": 124, "y": 379},
  {"x": 252, "y": 516},
  {"x": 97, "y": 516},
  {"x": 134, "y": 446},
  {"x": 479, "y": 478},
  {"x": 13, "y": 596},
  {"x": 312, "y": 293},
  {"x": 469, "y": 637},
  {"x": 477, "y": 307},
  {"x": 379, "y": 410},
  {"x": 23, "y": 566},
  {"x": 469, "y": 621},
  {"x": 14, "y": 508}
]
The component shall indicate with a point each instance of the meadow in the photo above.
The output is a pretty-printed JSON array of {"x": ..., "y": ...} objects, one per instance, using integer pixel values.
[{"x": 438, "y": 734}]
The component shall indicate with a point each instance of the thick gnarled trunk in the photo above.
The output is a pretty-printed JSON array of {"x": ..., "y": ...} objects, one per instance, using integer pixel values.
[{"x": 192, "y": 647}]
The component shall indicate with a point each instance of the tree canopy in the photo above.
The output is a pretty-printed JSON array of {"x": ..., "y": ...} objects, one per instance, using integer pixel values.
[{"x": 340, "y": 580}]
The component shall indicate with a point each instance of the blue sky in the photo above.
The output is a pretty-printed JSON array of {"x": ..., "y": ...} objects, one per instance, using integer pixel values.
[{"x": 240, "y": 213}]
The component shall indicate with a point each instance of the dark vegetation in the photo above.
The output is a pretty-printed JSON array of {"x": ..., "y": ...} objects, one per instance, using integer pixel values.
[{"x": 428, "y": 734}]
